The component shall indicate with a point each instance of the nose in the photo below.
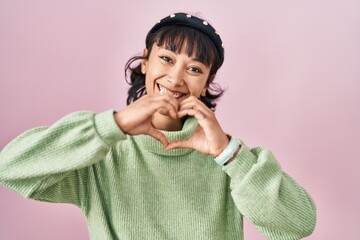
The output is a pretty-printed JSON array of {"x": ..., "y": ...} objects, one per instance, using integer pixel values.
[{"x": 176, "y": 76}]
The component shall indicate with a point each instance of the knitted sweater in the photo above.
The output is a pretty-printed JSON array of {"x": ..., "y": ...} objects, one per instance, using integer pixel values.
[{"x": 129, "y": 187}]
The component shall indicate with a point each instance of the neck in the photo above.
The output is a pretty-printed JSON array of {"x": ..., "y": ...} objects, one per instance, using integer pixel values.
[{"x": 167, "y": 123}]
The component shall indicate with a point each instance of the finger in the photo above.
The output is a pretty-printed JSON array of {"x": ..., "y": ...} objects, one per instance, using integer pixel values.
[
  {"x": 190, "y": 99},
  {"x": 168, "y": 99},
  {"x": 169, "y": 103},
  {"x": 170, "y": 112},
  {"x": 158, "y": 136},
  {"x": 164, "y": 107},
  {"x": 199, "y": 115},
  {"x": 195, "y": 104}
]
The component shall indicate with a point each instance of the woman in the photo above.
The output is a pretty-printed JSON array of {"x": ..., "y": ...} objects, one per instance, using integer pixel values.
[{"x": 161, "y": 168}]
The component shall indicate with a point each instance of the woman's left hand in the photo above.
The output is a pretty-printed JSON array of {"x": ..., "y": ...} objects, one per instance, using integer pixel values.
[{"x": 208, "y": 138}]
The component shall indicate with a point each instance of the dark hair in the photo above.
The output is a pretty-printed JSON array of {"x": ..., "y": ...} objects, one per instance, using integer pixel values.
[{"x": 173, "y": 38}]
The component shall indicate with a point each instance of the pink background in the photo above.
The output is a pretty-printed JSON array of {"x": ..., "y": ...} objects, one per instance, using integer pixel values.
[{"x": 292, "y": 70}]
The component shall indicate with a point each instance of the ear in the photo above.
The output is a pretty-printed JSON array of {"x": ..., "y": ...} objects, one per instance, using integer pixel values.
[
  {"x": 203, "y": 92},
  {"x": 209, "y": 80},
  {"x": 144, "y": 62}
]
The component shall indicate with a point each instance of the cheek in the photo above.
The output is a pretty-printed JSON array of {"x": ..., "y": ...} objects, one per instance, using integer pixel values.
[
  {"x": 195, "y": 89},
  {"x": 154, "y": 73},
  {"x": 149, "y": 84}
]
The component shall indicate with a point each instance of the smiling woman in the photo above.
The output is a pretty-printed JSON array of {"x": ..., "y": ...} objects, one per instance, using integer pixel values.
[
  {"x": 175, "y": 73},
  {"x": 185, "y": 39},
  {"x": 162, "y": 167}
]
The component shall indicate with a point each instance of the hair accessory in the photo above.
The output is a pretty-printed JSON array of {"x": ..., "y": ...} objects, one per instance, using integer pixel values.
[
  {"x": 185, "y": 19},
  {"x": 228, "y": 152}
]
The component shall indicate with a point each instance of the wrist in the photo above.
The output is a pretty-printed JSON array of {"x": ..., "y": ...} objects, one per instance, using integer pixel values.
[
  {"x": 230, "y": 151},
  {"x": 232, "y": 158},
  {"x": 118, "y": 119},
  {"x": 225, "y": 141}
]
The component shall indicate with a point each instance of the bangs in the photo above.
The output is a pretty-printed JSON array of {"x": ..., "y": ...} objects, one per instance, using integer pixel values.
[
  {"x": 178, "y": 38},
  {"x": 198, "y": 45}
]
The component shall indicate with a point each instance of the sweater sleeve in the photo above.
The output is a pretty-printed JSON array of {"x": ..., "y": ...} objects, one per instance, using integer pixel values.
[
  {"x": 278, "y": 207},
  {"x": 49, "y": 163}
]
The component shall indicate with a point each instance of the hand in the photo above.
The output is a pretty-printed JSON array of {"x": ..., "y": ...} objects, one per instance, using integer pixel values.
[
  {"x": 208, "y": 138},
  {"x": 135, "y": 119}
]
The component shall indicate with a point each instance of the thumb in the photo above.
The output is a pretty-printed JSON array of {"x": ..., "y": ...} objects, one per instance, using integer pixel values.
[{"x": 158, "y": 136}]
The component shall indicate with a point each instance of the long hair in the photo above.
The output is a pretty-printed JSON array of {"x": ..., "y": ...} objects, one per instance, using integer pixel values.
[{"x": 173, "y": 38}]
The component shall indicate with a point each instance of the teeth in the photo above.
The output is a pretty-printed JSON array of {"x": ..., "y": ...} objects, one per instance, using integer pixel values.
[{"x": 164, "y": 90}]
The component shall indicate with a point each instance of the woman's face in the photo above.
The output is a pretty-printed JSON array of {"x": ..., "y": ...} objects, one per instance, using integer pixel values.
[{"x": 173, "y": 73}]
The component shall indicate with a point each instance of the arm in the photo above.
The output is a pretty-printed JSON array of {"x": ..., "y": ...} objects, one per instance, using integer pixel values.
[
  {"x": 52, "y": 163},
  {"x": 268, "y": 197},
  {"x": 49, "y": 163}
]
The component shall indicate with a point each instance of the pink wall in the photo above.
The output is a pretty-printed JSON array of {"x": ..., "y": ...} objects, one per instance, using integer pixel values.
[{"x": 292, "y": 69}]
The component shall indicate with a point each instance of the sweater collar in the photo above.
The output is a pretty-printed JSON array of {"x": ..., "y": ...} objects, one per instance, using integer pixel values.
[{"x": 151, "y": 144}]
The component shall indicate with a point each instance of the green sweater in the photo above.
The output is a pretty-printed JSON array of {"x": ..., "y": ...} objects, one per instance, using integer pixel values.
[{"x": 129, "y": 187}]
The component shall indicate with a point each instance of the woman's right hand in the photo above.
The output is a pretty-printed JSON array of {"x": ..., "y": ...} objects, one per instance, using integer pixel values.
[{"x": 135, "y": 119}]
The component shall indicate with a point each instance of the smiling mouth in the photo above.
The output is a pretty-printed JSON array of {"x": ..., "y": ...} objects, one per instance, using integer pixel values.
[{"x": 173, "y": 93}]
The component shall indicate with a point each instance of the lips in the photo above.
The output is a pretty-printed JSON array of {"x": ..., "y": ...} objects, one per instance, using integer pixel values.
[{"x": 168, "y": 91}]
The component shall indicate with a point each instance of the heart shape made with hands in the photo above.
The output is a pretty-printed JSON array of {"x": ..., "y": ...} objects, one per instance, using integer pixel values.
[
  {"x": 208, "y": 140},
  {"x": 138, "y": 118}
]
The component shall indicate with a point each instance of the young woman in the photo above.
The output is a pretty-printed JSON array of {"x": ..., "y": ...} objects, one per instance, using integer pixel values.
[{"x": 161, "y": 168}]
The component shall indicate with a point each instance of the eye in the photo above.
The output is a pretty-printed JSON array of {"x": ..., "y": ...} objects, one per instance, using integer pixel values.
[
  {"x": 166, "y": 59},
  {"x": 195, "y": 69}
]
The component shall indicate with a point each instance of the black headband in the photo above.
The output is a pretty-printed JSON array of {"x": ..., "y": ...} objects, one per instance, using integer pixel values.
[{"x": 191, "y": 21}]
